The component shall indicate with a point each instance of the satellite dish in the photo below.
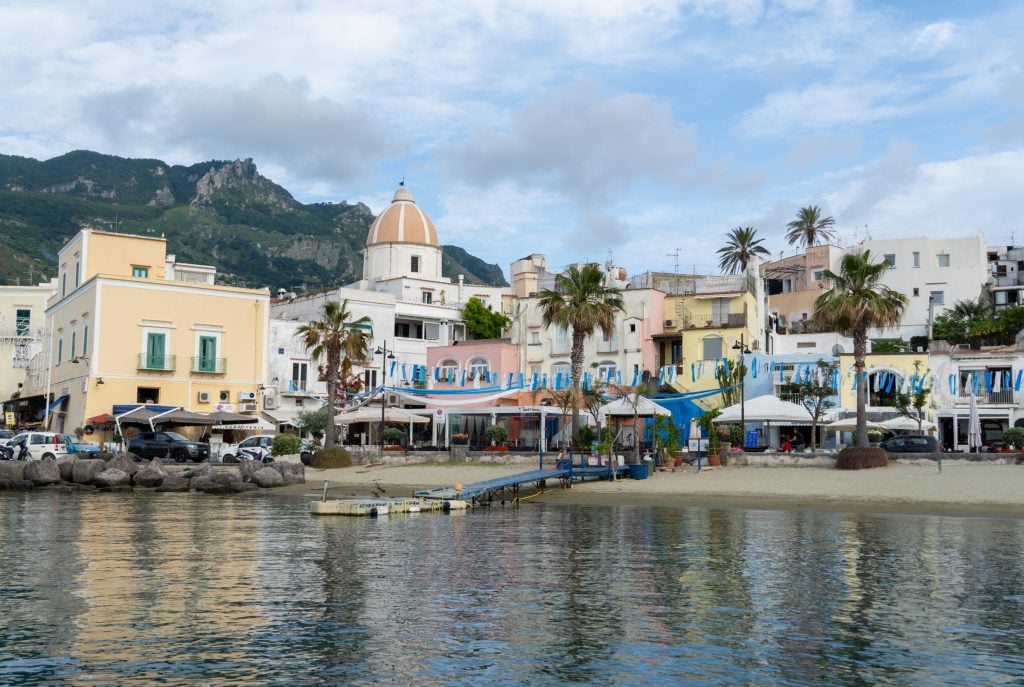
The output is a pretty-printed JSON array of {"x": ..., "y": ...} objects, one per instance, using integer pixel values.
[{"x": 837, "y": 350}]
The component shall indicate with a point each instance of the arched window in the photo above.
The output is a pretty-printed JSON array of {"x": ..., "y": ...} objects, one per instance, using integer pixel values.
[
  {"x": 449, "y": 370},
  {"x": 478, "y": 369},
  {"x": 712, "y": 347},
  {"x": 883, "y": 385}
]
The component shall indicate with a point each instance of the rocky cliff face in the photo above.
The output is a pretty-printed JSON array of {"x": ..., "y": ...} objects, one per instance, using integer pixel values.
[{"x": 239, "y": 180}]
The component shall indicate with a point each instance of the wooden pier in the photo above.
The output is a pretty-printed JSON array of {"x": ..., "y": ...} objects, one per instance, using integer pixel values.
[{"x": 507, "y": 488}]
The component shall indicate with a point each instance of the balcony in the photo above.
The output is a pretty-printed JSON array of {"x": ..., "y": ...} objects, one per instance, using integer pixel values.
[
  {"x": 720, "y": 321},
  {"x": 209, "y": 366},
  {"x": 157, "y": 363},
  {"x": 1004, "y": 397}
]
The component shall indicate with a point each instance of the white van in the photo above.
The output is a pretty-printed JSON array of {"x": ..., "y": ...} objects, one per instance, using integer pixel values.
[{"x": 40, "y": 445}]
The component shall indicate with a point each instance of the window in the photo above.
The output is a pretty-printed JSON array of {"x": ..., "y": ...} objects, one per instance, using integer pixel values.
[
  {"x": 535, "y": 371},
  {"x": 917, "y": 291},
  {"x": 140, "y": 271},
  {"x": 370, "y": 379},
  {"x": 677, "y": 351},
  {"x": 818, "y": 275},
  {"x": 606, "y": 371},
  {"x": 449, "y": 370},
  {"x": 145, "y": 394},
  {"x": 917, "y": 259},
  {"x": 562, "y": 369},
  {"x": 156, "y": 351},
  {"x": 74, "y": 341},
  {"x": 561, "y": 340},
  {"x": 415, "y": 267},
  {"x": 78, "y": 273},
  {"x": 63, "y": 284},
  {"x": 890, "y": 260},
  {"x": 431, "y": 331},
  {"x": 428, "y": 297},
  {"x": 535, "y": 338},
  {"x": 942, "y": 259},
  {"x": 787, "y": 285},
  {"x": 60, "y": 350},
  {"x": 478, "y": 369},
  {"x": 207, "y": 358},
  {"x": 85, "y": 339},
  {"x": 937, "y": 298},
  {"x": 299, "y": 376},
  {"x": 22, "y": 321},
  {"x": 712, "y": 347},
  {"x": 632, "y": 327}
]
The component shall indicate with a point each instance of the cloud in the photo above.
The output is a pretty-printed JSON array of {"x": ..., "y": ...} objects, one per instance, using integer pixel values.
[
  {"x": 580, "y": 143},
  {"x": 274, "y": 119},
  {"x": 873, "y": 183}
]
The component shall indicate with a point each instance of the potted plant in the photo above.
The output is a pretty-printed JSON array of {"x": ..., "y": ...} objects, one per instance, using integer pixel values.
[
  {"x": 707, "y": 423},
  {"x": 497, "y": 435},
  {"x": 670, "y": 440},
  {"x": 460, "y": 438},
  {"x": 393, "y": 437}
]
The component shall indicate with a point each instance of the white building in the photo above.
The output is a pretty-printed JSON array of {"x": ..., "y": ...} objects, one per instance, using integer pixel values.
[
  {"x": 23, "y": 347},
  {"x": 934, "y": 274}
]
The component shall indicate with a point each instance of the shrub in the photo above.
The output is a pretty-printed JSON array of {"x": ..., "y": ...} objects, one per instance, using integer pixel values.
[
  {"x": 394, "y": 436},
  {"x": 736, "y": 434},
  {"x": 861, "y": 458},
  {"x": 336, "y": 457},
  {"x": 1014, "y": 436},
  {"x": 285, "y": 445},
  {"x": 496, "y": 433}
]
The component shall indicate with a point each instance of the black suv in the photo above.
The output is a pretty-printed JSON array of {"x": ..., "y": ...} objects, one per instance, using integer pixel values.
[
  {"x": 905, "y": 443},
  {"x": 168, "y": 445}
]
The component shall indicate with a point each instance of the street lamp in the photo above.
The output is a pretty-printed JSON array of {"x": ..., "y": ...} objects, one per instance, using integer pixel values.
[
  {"x": 743, "y": 350},
  {"x": 382, "y": 351}
]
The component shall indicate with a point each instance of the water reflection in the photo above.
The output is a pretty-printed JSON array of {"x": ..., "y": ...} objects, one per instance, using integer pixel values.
[{"x": 102, "y": 589}]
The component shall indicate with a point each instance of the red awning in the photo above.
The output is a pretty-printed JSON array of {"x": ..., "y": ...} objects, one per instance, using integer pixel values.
[{"x": 101, "y": 419}]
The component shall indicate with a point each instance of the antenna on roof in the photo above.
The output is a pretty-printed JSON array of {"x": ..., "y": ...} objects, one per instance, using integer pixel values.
[{"x": 675, "y": 254}]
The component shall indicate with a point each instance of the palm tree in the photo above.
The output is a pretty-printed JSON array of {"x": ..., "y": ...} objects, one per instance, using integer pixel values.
[
  {"x": 855, "y": 303},
  {"x": 582, "y": 301},
  {"x": 810, "y": 228},
  {"x": 338, "y": 340},
  {"x": 739, "y": 249}
]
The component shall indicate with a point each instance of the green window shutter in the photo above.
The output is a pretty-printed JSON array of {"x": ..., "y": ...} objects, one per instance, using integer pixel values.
[
  {"x": 207, "y": 354},
  {"x": 85, "y": 340},
  {"x": 155, "y": 350}
]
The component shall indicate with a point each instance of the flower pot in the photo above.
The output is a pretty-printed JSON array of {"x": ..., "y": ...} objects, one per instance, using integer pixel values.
[{"x": 714, "y": 459}]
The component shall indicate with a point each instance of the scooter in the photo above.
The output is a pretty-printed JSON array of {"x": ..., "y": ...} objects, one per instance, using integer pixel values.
[{"x": 259, "y": 454}]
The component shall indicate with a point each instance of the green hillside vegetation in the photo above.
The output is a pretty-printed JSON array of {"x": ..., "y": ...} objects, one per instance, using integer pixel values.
[{"x": 217, "y": 212}]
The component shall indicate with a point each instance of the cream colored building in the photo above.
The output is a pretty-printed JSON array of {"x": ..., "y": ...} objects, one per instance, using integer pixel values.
[{"x": 130, "y": 325}]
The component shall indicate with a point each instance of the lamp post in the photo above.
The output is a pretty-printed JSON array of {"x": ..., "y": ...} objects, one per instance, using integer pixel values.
[
  {"x": 382, "y": 351},
  {"x": 743, "y": 350}
]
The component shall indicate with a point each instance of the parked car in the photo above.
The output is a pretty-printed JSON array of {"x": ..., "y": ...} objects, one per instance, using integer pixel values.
[
  {"x": 904, "y": 443},
  {"x": 39, "y": 444},
  {"x": 77, "y": 446},
  {"x": 168, "y": 445},
  {"x": 6, "y": 452},
  {"x": 257, "y": 445}
]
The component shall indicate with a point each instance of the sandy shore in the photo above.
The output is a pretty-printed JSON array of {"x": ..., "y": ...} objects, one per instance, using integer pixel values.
[{"x": 962, "y": 489}]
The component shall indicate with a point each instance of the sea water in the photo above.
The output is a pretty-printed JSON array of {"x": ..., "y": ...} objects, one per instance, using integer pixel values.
[{"x": 192, "y": 589}]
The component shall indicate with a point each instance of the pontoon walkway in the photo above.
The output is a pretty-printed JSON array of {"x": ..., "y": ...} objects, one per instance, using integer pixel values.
[{"x": 485, "y": 491}]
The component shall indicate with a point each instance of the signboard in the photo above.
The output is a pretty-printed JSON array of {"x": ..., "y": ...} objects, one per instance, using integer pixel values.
[
  {"x": 9, "y": 418},
  {"x": 703, "y": 445},
  {"x": 440, "y": 416}
]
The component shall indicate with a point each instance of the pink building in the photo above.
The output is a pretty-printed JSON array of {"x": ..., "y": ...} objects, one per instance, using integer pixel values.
[{"x": 474, "y": 364}]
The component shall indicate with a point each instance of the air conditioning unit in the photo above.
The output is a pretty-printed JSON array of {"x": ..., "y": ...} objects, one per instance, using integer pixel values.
[
  {"x": 246, "y": 396},
  {"x": 250, "y": 407},
  {"x": 269, "y": 402},
  {"x": 392, "y": 400},
  {"x": 225, "y": 396},
  {"x": 204, "y": 396},
  {"x": 670, "y": 323}
]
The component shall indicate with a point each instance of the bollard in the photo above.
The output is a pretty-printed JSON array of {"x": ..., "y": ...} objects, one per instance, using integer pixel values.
[{"x": 325, "y": 491}]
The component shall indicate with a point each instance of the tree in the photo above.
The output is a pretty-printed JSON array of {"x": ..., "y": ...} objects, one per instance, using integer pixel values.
[
  {"x": 855, "y": 302},
  {"x": 814, "y": 392},
  {"x": 912, "y": 403},
  {"x": 338, "y": 340},
  {"x": 740, "y": 247},
  {"x": 729, "y": 378},
  {"x": 580, "y": 301},
  {"x": 313, "y": 421},
  {"x": 810, "y": 228},
  {"x": 481, "y": 322}
]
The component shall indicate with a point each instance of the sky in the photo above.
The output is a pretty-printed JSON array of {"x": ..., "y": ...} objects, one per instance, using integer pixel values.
[{"x": 633, "y": 130}]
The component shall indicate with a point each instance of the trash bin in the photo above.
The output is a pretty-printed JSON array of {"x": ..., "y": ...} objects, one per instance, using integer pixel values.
[
  {"x": 638, "y": 471},
  {"x": 649, "y": 464},
  {"x": 751, "y": 440}
]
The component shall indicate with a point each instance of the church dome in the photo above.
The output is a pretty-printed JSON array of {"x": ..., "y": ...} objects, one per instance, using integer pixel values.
[{"x": 403, "y": 222}]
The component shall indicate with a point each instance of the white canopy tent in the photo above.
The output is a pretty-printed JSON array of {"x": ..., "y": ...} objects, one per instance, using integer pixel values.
[
  {"x": 906, "y": 424},
  {"x": 767, "y": 408},
  {"x": 623, "y": 407},
  {"x": 849, "y": 424}
]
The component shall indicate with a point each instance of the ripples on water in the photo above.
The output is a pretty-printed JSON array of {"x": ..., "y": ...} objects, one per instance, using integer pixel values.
[{"x": 179, "y": 589}]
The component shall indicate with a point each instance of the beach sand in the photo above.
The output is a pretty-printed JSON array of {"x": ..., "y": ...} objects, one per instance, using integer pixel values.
[{"x": 962, "y": 489}]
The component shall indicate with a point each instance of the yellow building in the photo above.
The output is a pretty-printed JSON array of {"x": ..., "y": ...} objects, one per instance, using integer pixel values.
[
  {"x": 706, "y": 319},
  {"x": 886, "y": 375},
  {"x": 129, "y": 325}
]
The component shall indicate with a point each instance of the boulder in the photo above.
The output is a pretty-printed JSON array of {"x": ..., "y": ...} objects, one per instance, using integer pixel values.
[
  {"x": 112, "y": 477},
  {"x": 124, "y": 463},
  {"x": 15, "y": 484},
  {"x": 107, "y": 455},
  {"x": 152, "y": 474},
  {"x": 171, "y": 483},
  {"x": 66, "y": 465},
  {"x": 248, "y": 468},
  {"x": 201, "y": 470},
  {"x": 218, "y": 483},
  {"x": 41, "y": 472},
  {"x": 268, "y": 477},
  {"x": 291, "y": 473},
  {"x": 85, "y": 471},
  {"x": 12, "y": 470}
]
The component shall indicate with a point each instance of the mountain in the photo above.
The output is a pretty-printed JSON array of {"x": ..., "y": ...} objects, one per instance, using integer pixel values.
[{"x": 219, "y": 212}]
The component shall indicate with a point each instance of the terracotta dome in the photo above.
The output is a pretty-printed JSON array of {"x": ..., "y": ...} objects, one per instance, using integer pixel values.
[{"x": 403, "y": 222}]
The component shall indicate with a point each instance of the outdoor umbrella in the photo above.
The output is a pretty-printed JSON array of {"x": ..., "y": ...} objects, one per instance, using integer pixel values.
[
  {"x": 767, "y": 408},
  {"x": 623, "y": 407},
  {"x": 906, "y": 424},
  {"x": 849, "y": 424},
  {"x": 974, "y": 440}
]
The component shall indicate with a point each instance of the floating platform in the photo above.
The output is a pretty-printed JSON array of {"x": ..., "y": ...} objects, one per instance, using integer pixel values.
[
  {"x": 376, "y": 507},
  {"x": 508, "y": 486}
]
